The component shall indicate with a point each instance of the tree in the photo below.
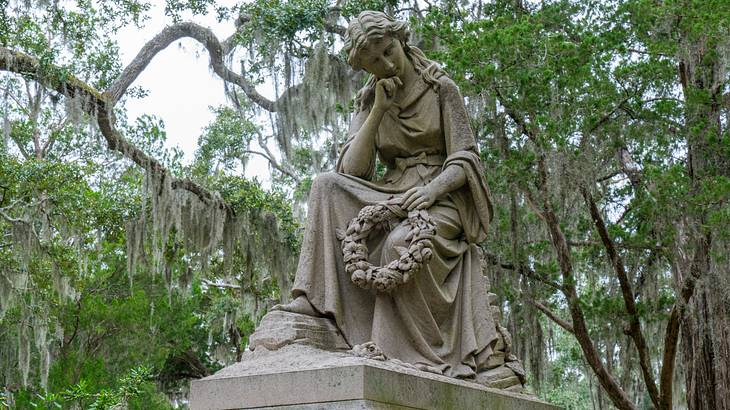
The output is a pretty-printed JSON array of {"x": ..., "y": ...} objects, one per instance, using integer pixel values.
[
  {"x": 603, "y": 127},
  {"x": 573, "y": 89}
]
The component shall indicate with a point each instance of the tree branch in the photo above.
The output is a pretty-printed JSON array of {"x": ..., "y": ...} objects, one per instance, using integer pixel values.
[
  {"x": 11, "y": 219},
  {"x": 216, "y": 51},
  {"x": 628, "y": 297},
  {"x": 52, "y": 136},
  {"x": 19, "y": 144},
  {"x": 528, "y": 131},
  {"x": 99, "y": 106},
  {"x": 671, "y": 337},
  {"x": 334, "y": 28},
  {"x": 205, "y": 37},
  {"x": 618, "y": 245},
  {"x": 229, "y": 43},
  {"x": 274, "y": 164},
  {"x": 552, "y": 316},
  {"x": 607, "y": 116},
  {"x": 618, "y": 396},
  {"x": 523, "y": 270}
]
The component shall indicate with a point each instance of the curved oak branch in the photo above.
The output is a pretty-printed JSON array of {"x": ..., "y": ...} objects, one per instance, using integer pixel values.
[
  {"x": 217, "y": 50},
  {"x": 204, "y": 36},
  {"x": 100, "y": 106}
]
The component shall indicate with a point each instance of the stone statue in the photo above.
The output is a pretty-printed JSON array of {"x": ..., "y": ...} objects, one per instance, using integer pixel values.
[
  {"x": 390, "y": 307},
  {"x": 416, "y": 292}
]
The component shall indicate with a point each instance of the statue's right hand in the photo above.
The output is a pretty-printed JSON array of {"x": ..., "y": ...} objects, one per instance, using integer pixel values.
[{"x": 385, "y": 92}]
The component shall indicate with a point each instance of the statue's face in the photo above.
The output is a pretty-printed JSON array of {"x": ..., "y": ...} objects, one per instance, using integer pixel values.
[{"x": 383, "y": 57}]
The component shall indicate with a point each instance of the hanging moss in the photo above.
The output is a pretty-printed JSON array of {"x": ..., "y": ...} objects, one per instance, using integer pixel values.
[
  {"x": 315, "y": 102},
  {"x": 205, "y": 231}
]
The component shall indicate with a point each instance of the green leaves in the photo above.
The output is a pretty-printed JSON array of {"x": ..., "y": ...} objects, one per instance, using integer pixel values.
[
  {"x": 129, "y": 387},
  {"x": 277, "y": 22},
  {"x": 351, "y": 9}
]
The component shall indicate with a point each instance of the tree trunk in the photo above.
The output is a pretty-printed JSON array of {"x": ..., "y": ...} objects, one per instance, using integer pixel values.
[
  {"x": 706, "y": 315},
  {"x": 706, "y": 343}
]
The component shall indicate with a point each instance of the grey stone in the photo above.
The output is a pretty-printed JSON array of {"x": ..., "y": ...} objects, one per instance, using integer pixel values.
[
  {"x": 492, "y": 298},
  {"x": 517, "y": 388},
  {"x": 278, "y": 329},
  {"x": 501, "y": 377},
  {"x": 343, "y": 405},
  {"x": 496, "y": 314},
  {"x": 500, "y": 346},
  {"x": 368, "y": 235},
  {"x": 517, "y": 367},
  {"x": 492, "y": 375},
  {"x": 505, "y": 383},
  {"x": 495, "y": 359},
  {"x": 300, "y": 377}
]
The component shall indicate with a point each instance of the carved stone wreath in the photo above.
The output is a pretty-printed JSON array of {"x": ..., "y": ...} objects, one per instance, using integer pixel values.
[{"x": 395, "y": 273}]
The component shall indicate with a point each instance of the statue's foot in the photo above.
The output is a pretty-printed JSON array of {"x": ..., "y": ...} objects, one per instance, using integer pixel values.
[
  {"x": 427, "y": 368},
  {"x": 299, "y": 305}
]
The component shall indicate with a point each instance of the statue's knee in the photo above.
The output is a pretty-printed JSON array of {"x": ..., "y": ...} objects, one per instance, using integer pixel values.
[
  {"x": 397, "y": 237},
  {"x": 325, "y": 181}
]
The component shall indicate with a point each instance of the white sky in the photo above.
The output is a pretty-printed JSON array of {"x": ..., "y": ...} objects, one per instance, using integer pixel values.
[{"x": 181, "y": 86}]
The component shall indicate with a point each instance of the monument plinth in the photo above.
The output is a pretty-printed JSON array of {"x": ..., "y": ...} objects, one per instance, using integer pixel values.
[
  {"x": 309, "y": 368},
  {"x": 302, "y": 377}
]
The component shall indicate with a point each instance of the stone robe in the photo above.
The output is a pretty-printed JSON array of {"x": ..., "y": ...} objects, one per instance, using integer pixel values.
[{"x": 439, "y": 320}]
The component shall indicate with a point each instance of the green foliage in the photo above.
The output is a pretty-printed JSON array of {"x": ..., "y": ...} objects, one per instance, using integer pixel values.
[
  {"x": 225, "y": 143},
  {"x": 280, "y": 21},
  {"x": 353, "y": 8},
  {"x": 569, "y": 386},
  {"x": 586, "y": 89},
  {"x": 130, "y": 391}
]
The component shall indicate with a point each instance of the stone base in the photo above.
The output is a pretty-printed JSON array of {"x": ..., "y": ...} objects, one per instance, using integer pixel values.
[
  {"x": 302, "y": 377},
  {"x": 343, "y": 405},
  {"x": 278, "y": 329}
]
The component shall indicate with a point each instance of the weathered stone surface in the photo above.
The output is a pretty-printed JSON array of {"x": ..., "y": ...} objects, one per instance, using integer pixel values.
[
  {"x": 343, "y": 405},
  {"x": 492, "y": 375},
  {"x": 301, "y": 377},
  {"x": 492, "y": 298},
  {"x": 278, "y": 329},
  {"x": 506, "y": 338},
  {"x": 505, "y": 383},
  {"x": 517, "y": 388},
  {"x": 501, "y": 377},
  {"x": 496, "y": 359},
  {"x": 496, "y": 314},
  {"x": 433, "y": 188},
  {"x": 516, "y": 366},
  {"x": 500, "y": 346}
]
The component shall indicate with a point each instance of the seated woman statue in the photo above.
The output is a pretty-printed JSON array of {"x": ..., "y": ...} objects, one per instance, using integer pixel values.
[{"x": 412, "y": 116}]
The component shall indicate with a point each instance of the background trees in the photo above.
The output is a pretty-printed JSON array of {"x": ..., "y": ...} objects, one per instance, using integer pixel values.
[{"x": 603, "y": 128}]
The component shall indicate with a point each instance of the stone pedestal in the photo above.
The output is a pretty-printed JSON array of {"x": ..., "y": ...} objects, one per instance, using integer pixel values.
[
  {"x": 278, "y": 329},
  {"x": 302, "y": 377}
]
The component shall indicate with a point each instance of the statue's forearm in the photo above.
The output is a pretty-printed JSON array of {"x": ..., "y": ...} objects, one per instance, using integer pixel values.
[
  {"x": 359, "y": 155},
  {"x": 452, "y": 178}
]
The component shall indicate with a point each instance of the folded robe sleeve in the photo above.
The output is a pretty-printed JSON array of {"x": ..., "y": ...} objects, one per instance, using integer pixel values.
[
  {"x": 472, "y": 200},
  {"x": 357, "y": 121}
]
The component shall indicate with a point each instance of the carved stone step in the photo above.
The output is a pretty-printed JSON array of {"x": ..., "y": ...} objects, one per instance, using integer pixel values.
[
  {"x": 501, "y": 377},
  {"x": 278, "y": 329}
]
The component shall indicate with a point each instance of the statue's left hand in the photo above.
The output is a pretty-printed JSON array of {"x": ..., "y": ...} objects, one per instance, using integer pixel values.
[{"x": 421, "y": 197}]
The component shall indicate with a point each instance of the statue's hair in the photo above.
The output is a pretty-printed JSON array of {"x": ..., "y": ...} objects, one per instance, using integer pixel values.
[{"x": 373, "y": 25}]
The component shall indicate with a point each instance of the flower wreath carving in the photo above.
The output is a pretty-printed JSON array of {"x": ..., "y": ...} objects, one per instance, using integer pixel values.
[{"x": 395, "y": 273}]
